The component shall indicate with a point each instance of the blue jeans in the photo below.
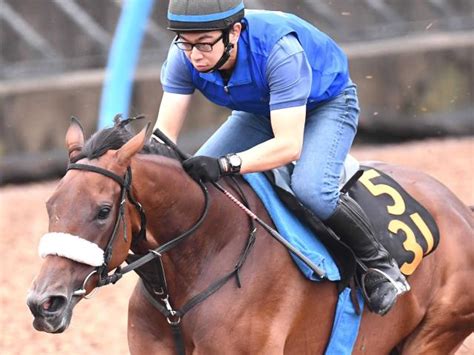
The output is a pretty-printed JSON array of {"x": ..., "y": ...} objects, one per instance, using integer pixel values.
[{"x": 328, "y": 135}]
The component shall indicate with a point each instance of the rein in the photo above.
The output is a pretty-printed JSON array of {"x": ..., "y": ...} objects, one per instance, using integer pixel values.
[
  {"x": 125, "y": 184},
  {"x": 173, "y": 316},
  {"x": 160, "y": 297},
  {"x": 317, "y": 270}
]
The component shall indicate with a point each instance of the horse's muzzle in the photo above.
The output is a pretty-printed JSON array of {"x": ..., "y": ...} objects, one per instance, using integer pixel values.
[{"x": 52, "y": 313}]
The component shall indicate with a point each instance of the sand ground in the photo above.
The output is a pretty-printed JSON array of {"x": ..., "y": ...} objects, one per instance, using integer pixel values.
[{"x": 99, "y": 325}]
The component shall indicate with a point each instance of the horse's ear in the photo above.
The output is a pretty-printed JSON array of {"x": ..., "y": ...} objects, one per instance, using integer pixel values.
[
  {"x": 74, "y": 138},
  {"x": 133, "y": 146}
]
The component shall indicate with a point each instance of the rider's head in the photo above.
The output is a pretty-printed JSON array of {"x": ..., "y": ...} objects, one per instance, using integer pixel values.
[{"x": 207, "y": 30}]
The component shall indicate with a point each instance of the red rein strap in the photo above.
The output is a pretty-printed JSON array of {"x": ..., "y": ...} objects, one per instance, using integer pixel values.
[{"x": 321, "y": 273}]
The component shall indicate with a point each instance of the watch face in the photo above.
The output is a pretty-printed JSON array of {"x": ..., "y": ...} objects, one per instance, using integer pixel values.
[{"x": 235, "y": 161}]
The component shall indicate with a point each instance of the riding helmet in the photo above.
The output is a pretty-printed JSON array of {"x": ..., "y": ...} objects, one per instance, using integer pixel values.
[{"x": 203, "y": 15}]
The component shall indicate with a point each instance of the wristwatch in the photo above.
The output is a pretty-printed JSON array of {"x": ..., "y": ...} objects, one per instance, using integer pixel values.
[{"x": 230, "y": 163}]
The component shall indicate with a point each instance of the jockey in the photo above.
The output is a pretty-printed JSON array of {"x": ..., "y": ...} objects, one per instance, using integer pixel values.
[{"x": 292, "y": 99}]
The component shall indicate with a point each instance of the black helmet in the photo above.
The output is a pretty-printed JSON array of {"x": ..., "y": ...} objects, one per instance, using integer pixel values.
[{"x": 204, "y": 15}]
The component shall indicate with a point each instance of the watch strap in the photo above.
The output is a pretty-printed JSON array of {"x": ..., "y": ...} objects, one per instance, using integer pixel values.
[{"x": 224, "y": 164}]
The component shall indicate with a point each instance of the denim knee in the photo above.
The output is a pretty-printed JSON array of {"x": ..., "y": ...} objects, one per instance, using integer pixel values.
[{"x": 320, "y": 198}]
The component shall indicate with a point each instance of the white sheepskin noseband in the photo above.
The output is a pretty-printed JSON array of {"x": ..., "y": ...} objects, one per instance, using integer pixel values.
[{"x": 72, "y": 247}]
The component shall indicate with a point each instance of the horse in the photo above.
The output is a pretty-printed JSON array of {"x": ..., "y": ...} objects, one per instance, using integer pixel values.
[{"x": 263, "y": 306}]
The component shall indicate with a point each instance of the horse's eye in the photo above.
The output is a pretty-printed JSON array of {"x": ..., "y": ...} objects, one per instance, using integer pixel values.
[{"x": 103, "y": 213}]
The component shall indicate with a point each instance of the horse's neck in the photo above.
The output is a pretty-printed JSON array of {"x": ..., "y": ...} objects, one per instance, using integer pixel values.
[
  {"x": 171, "y": 200},
  {"x": 174, "y": 203}
]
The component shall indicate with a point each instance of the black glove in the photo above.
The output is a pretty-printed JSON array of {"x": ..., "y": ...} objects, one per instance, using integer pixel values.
[{"x": 203, "y": 168}]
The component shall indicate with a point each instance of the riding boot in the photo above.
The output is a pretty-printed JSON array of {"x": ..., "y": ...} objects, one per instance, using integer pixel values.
[{"x": 382, "y": 281}]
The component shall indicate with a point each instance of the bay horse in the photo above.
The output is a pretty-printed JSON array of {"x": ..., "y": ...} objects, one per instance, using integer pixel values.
[{"x": 276, "y": 310}]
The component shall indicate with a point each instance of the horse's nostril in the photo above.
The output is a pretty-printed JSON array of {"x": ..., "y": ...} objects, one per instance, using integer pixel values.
[{"x": 53, "y": 304}]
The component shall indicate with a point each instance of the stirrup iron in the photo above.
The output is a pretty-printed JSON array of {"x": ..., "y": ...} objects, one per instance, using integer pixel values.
[{"x": 400, "y": 289}]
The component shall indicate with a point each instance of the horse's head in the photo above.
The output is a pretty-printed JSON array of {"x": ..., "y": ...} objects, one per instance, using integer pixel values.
[{"x": 87, "y": 234}]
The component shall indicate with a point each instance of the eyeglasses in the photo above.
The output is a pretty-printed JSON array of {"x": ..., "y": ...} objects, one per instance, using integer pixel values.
[{"x": 201, "y": 47}]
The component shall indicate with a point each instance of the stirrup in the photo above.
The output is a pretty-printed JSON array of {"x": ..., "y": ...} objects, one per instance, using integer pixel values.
[{"x": 401, "y": 288}]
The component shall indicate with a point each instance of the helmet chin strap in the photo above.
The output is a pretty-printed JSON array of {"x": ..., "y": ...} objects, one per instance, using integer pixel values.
[{"x": 225, "y": 56}]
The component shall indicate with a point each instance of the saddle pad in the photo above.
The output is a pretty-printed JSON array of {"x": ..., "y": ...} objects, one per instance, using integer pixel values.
[
  {"x": 404, "y": 227},
  {"x": 295, "y": 232},
  {"x": 346, "y": 321}
]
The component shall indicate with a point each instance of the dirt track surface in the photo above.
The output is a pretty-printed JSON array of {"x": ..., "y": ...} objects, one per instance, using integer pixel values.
[{"x": 99, "y": 325}]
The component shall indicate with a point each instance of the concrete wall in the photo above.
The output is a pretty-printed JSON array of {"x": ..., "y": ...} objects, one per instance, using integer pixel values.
[
  {"x": 417, "y": 94},
  {"x": 409, "y": 87},
  {"x": 420, "y": 93}
]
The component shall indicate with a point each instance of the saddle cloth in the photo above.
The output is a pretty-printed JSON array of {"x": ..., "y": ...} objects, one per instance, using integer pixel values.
[
  {"x": 346, "y": 320},
  {"x": 403, "y": 226}
]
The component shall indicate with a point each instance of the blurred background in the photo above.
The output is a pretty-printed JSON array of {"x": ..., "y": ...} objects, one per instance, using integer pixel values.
[{"x": 412, "y": 61}]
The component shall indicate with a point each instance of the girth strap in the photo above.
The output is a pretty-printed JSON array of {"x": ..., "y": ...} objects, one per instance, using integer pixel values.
[
  {"x": 174, "y": 316},
  {"x": 157, "y": 292}
]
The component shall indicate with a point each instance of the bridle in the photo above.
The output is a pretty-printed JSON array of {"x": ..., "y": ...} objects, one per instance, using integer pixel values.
[
  {"x": 159, "y": 296},
  {"x": 125, "y": 186},
  {"x": 163, "y": 305},
  {"x": 125, "y": 192}
]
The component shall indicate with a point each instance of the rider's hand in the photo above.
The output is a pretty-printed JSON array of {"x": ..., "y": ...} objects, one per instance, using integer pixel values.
[{"x": 203, "y": 168}]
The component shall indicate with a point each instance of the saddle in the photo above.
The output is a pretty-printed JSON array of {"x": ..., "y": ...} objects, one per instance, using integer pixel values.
[{"x": 403, "y": 226}]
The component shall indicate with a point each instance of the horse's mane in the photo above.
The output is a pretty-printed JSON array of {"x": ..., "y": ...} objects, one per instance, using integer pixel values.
[{"x": 115, "y": 137}]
